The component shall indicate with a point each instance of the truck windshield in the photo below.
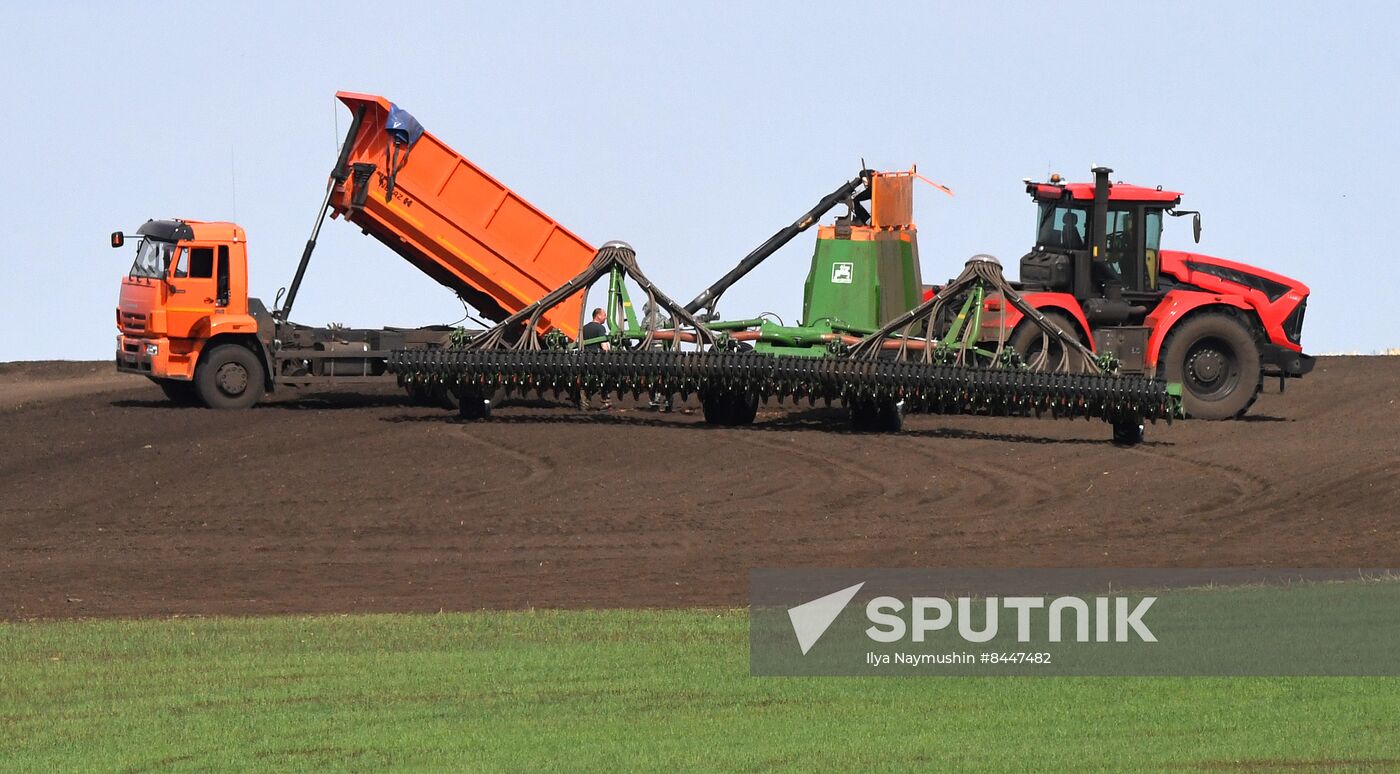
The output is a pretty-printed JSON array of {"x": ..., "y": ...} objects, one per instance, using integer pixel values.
[{"x": 152, "y": 258}]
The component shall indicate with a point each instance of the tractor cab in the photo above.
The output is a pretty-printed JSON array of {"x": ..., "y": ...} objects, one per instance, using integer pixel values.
[{"x": 1101, "y": 243}]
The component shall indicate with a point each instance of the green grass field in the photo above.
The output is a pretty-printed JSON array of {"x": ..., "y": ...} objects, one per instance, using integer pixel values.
[{"x": 617, "y": 690}]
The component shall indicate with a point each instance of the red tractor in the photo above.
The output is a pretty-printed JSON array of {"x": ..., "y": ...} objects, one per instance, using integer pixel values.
[{"x": 1097, "y": 270}]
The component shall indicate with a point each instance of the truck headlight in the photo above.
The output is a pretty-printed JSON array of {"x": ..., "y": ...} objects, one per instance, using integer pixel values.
[{"x": 152, "y": 349}]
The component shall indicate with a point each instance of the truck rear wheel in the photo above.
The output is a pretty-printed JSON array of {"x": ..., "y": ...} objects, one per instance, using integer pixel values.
[
  {"x": 1216, "y": 360},
  {"x": 229, "y": 376}
]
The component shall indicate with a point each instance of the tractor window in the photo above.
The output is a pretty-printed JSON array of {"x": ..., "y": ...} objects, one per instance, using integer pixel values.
[
  {"x": 1119, "y": 241},
  {"x": 201, "y": 262},
  {"x": 1063, "y": 227},
  {"x": 1152, "y": 235}
]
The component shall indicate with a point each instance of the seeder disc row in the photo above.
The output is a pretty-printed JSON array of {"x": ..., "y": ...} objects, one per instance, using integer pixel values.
[{"x": 921, "y": 387}]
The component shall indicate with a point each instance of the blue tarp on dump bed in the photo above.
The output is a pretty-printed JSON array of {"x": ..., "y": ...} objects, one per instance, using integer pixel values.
[{"x": 402, "y": 126}]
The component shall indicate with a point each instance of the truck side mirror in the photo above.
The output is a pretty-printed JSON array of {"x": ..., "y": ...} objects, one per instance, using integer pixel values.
[{"x": 118, "y": 239}]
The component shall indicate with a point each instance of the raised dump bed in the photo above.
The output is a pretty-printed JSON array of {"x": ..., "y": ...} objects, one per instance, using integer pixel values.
[{"x": 453, "y": 221}]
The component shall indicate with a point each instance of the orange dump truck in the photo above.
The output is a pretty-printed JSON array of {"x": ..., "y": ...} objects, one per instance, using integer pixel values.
[{"x": 186, "y": 320}]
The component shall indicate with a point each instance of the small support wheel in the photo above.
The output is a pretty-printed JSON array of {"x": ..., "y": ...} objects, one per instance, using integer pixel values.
[
  {"x": 471, "y": 405},
  {"x": 443, "y": 396},
  {"x": 1128, "y": 432},
  {"x": 885, "y": 416},
  {"x": 419, "y": 394},
  {"x": 729, "y": 408}
]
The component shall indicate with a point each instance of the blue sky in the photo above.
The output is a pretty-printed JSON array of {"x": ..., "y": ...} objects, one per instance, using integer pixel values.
[{"x": 694, "y": 131}]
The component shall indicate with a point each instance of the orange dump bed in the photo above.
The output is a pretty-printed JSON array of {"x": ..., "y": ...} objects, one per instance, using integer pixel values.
[{"x": 456, "y": 223}]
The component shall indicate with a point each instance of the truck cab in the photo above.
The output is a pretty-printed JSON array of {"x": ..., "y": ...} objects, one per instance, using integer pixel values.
[{"x": 185, "y": 299}]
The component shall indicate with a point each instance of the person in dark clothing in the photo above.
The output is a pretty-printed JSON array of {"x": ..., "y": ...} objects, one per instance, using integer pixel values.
[{"x": 595, "y": 329}]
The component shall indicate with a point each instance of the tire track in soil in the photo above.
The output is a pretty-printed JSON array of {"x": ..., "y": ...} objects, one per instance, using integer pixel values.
[
  {"x": 1224, "y": 515},
  {"x": 619, "y": 537},
  {"x": 1246, "y": 485},
  {"x": 780, "y": 541},
  {"x": 763, "y": 499},
  {"x": 850, "y": 468},
  {"x": 539, "y": 468},
  {"x": 915, "y": 520},
  {"x": 1029, "y": 492},
  {"x": 764, "y": 494},
  {"x": 986, "y": 474}
]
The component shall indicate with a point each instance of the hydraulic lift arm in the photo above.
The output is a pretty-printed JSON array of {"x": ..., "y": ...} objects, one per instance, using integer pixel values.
[
  {"x": 338, "y": 177},
  {"x": 852, "y": 192}
]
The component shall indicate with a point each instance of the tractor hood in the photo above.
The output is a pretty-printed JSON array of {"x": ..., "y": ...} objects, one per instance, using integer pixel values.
[{"x": 1222, "y": 276}]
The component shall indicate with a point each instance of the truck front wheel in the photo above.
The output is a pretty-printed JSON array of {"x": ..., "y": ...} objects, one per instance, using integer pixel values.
[
  {"x": 229, "y": 377},
  {"x": 178, "y": 392},
  {"x": 1216, "y": 360}
]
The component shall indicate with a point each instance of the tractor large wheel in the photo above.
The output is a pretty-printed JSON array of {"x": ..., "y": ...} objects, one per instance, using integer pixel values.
[
  {"x": 1216, "y": 360},
  {"x": 178, "y": 392},
  {"x": 230, "y": 377},
  {"x": 1029, "y": 341}
]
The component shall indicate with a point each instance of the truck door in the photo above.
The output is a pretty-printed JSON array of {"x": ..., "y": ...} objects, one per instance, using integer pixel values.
[{"x": 194, "y": 292}]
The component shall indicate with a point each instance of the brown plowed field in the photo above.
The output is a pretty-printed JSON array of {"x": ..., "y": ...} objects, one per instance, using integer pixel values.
[{"x": 116, "y": 503}]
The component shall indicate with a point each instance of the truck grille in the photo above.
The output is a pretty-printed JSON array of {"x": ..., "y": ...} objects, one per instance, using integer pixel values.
[{"x": 133, "y": 322}]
